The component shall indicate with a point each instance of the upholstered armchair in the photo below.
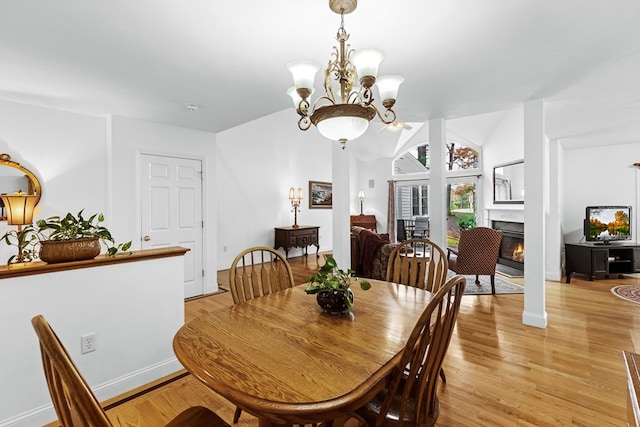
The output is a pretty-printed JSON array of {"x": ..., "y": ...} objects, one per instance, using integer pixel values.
[{"x": 477, "y": 253}]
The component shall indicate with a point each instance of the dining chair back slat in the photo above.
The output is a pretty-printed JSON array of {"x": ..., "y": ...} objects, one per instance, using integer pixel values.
[
  {"x": 255, "y": 272},
  {"x": 411, "y": 395},
  {"x": 419, "y": 263},
  {"x": 259, "y": 271}
]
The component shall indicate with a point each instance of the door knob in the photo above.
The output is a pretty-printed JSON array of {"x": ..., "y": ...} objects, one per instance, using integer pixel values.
[{"x": 146, "y": 238}]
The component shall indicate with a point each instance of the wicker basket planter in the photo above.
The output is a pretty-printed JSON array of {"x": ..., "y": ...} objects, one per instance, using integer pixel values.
[{"x": 54, "y": 251}]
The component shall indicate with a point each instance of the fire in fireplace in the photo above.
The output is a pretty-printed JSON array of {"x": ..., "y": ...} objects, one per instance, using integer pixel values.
[{"x": 512, "y": 245}]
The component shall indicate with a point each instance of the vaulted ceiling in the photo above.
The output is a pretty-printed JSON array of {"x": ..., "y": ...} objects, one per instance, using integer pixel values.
[{"x": 147, "y": 58}]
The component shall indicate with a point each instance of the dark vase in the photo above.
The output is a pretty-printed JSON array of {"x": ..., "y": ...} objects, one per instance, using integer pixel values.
[{"x": 334, "y": 301}]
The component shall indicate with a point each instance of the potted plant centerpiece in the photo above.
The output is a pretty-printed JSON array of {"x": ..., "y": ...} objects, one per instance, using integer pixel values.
[
  {"x": 331, "y": 284},
  {"x": 63, "y": 239}
]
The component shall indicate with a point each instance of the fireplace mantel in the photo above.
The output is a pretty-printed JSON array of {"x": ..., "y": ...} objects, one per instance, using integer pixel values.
[{"x": 515, "y": 214}]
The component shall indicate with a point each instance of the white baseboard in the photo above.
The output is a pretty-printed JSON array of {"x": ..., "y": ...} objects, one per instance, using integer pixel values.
[
  {"x": 536, "y": 320},
  {"x": 46, "y": 414}
]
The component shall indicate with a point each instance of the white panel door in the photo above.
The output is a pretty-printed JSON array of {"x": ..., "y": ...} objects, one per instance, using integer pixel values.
[{"x": 172, "y": 212}]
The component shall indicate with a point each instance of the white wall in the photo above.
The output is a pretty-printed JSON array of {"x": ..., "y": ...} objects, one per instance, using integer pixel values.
[
  {"x": 134, "y": 333},
  {"x": 599, "y": 176},
  {"x": 66, "y": 151},
  {"x": 504, "y": 145},
  {"x": 376, "y": 198},
  {"x": 129, "y": 139},
  {"x": 256, "y": 165}
]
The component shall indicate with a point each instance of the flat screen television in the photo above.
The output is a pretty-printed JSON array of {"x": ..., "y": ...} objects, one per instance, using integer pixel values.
[{"x": 606, "y": 224}]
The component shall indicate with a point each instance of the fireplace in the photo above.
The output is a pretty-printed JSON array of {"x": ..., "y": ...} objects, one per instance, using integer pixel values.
[{"x": 512, "y": 245}]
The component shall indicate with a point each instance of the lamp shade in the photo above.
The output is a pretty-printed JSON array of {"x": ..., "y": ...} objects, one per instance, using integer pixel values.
[
  {"x": 304, "y": 73},
  {"x": 343, "y": 128},
  {"x": 19, "y": 208},
  {"x": 366, "y": 62},
  {"x": 388, "y": 86}
]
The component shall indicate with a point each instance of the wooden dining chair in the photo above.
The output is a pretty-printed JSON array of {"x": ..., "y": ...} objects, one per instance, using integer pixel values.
[
  {"x": 477, "y": 253},
  {"x": 74, "y": 402},
  {"x": 411, "y": 396},
  {"x": 419, "y": 263},
  {"x": 255, "y": 272},
  {"x": 258, "y": 271}
]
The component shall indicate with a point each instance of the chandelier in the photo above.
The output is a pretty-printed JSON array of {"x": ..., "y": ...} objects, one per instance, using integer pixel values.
[{"x": 347, "y": 116}]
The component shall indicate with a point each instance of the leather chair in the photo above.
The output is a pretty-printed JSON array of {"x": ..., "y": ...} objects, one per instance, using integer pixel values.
[
  {"x": 73, "y": 400},
  {"x": 477, "y": 253}
]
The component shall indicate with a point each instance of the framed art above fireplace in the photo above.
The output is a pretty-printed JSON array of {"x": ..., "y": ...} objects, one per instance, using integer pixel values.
[{"x": 508, "y": 183}]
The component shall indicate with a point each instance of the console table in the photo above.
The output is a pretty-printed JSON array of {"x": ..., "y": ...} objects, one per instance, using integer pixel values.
[
  {"x": 593, "y": 260},
  {"x": 302, "y": 236}
]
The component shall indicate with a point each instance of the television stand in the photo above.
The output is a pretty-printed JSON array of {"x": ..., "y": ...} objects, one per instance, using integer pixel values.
[{"x": 601, "y": 260}]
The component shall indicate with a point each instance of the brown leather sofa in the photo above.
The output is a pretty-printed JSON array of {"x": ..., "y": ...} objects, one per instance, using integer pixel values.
[{"x": 370, "y": 253}]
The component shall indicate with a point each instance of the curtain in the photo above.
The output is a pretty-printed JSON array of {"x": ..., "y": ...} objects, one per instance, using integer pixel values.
[{"x": 391, "y": 211}]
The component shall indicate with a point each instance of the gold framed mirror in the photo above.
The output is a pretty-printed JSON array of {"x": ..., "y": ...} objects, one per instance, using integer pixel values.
[{"x": 13, "y": 178}]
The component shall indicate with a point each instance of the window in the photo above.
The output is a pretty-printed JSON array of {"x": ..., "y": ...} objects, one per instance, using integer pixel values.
[
  {"x": 461, "y": 209},
  {"x": 412, "y": 195},
  {"x": 417, "y": 159}
]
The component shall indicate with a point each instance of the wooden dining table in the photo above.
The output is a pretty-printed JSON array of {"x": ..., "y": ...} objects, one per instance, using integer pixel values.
[{"x": 284, "y": 360}]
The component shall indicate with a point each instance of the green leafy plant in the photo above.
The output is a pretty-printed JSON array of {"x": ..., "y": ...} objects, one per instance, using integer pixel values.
[
  {"x": 69, "y": 227},
  {"x": 466, "y": 223},
  {"x": 331, "y": 278},
  {"x": 25, "y": 240},
  {"x": 72, "y": 227}
]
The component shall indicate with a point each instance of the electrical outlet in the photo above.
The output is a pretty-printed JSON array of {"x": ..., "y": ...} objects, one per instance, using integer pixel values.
[{"x": 88, "y": 343}]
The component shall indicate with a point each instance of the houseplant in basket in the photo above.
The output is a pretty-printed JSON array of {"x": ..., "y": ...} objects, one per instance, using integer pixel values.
[
  {"x": 331, "y": 284},
  {"x": 72, "y": 238}
]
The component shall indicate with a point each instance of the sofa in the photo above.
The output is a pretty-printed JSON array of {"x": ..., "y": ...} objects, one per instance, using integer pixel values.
[{"x": 370, "y": 253}]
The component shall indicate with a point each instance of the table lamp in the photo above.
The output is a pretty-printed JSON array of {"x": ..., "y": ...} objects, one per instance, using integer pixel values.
[
  {"x": 295, "y": 197},
  {"x": 361, "y": 197},
  {"x": 19, "y": 208}
]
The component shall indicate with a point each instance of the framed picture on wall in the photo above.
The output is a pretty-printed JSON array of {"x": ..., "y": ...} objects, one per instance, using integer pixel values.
[{"x": 320, "y": 195}]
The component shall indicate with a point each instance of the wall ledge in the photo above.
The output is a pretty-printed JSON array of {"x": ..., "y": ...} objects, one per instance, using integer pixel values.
[{"x": 39, "y": 267}]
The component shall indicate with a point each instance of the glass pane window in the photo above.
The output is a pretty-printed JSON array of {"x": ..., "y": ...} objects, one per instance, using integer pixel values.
[
  {"x": 415, "y": 160},
  {"x": 460, "y": 157},
  {"x": 462, "y": 198},
  {"x": 412, "y": 200}
]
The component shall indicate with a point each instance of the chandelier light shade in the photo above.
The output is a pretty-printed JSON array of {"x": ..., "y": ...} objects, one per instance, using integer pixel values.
[{"x": 343, "y": 116}]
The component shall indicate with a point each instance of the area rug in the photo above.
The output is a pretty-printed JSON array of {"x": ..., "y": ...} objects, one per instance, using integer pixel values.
[
  {"x": 484, "y": 288},
  {"x": 627, "y": 292}
]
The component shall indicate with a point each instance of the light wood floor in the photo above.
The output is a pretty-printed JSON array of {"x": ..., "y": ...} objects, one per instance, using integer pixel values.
[{"x": 499, "y": 372}]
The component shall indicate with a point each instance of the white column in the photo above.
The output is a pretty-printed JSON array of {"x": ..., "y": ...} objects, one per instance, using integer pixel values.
[
  {"x": 535, "y": 208},
  {"x": 437, "y": 182},
  {"x": 340, "y": 179},
  {"x": 554, "y": 215}
]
